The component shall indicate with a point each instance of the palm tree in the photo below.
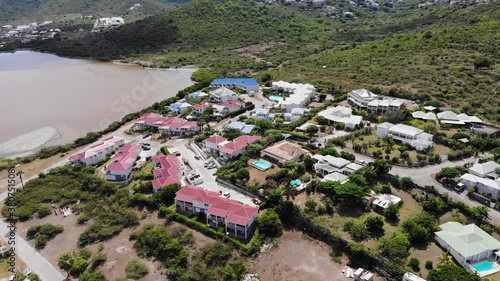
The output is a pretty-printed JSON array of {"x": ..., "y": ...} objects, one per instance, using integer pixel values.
[
  {"x": 20, "y": 175},
  {"x": 289, "y": 191},
  {"x": 66, "y": 263},
  {"x": 445, "y": 259}
]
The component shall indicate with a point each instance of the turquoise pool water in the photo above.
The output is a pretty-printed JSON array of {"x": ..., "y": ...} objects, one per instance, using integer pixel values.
[
  {"x": 483, "y": 266},
  {"x": 276, "y": 98},
  {"x": 295, "y": 182},
  {"x": 262, "y": 165}
]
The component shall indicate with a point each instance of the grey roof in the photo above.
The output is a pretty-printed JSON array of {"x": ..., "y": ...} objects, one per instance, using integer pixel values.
[
  {"x": 406, "y": 130},
  {"x": 485, "y": 168},
  {"x": 448, "y": 115},
  {"x": 467, "y": 240},
  {"x": 385, "y": 125},
  {"x": 335, "y": 176}
]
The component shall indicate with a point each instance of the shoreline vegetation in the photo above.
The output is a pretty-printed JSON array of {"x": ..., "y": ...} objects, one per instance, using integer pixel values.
[{"x": 202, "y": 79}]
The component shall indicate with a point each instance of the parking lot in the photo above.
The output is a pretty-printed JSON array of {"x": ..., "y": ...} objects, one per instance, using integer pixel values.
[{"x": 207, "y": 174}]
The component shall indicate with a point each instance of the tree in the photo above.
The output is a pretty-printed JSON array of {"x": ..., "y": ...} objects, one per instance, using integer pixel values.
[
  {"x": 262, "y": 125},
  {"x": 358, "y": 231},
  {"x": 381, "y": 167},
  {"x": 448, "y": 173},
  {"x": 321, "y": 120},
  {"x": 348, "y": 193},
  {"x": 434, "y": 205},
  {"x": 136, "y": 269},
  {"x": 254, "y": 149},
  {"x": 20, "y": 174},
  {"x": 479, "y": 213},
  {"x": 289, "y": 191},
  {"x": 330, "y": 150},
  {"x": 66, "y": 263},
  {"x": 445, "y": 259},
  {"x": 266, "y": 77},
  {"x": 374, "y": 224},
  {"x": 358, "y": 180},
  {"x": 392, "y": 212},
  {"x": 395, "y": 246},
  {"x": 312, "y": 130},
  {"x": 414, "y": 264},
  {"x": 407, "y": 183},
  {"x": 419, "y": 228},
  {"x": 93, "y": 276},
  {"x": 451, "y": 273},
  {"x": 309, "y": 163},
  {"x": 270, "y": 224},
  {"x": 231, "y": 133}
]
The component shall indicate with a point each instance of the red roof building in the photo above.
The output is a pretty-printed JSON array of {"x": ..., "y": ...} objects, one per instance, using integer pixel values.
[
  {"x": 166, "y": 171},
  {"x": 96, "y": 152},
  {"x": 237, "y": 218},
  {"x": 174, "y": 126},
  {"x": 123, "y": 162},
  {"x": 237, "y": 146}
]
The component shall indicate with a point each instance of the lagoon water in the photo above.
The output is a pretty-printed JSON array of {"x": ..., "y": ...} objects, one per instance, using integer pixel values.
[{"x": 46, "y": 99}]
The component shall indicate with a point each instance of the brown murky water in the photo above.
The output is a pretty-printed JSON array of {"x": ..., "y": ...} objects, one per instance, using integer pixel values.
[{"x": 42, "y": 95}]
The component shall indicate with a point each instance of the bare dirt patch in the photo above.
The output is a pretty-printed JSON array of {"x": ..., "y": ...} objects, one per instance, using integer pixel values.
[
  {"x": 299, "y": 259},
  {"x": 252, "y": 51},
  {"x": 429, "y": 253}
]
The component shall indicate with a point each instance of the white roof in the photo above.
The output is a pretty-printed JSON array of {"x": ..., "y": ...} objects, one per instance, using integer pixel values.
[
  {"x": 385, "y": 102},
  {"x": 467, "y": 240},
  {"x": 452, "y": 122},
  {"x": 364, "y": 93},
  {"x": 469, "y": 118},
  {"x": 334, "y": 161},
  {"x": 412, "y": 277},
  {"x": 495, "y": 184},
  {"x": 448, "y": 115},
  {"x": 347, "y": 118},
  {"x": 342, "y": 109},
  {"x": 222, "y": 91},
  {"x": 384, "y": 200},
  {"x": 485, "y": 168},
  {"x": 385, "y": 125},
  {"x": 423, "y": 115},
  {"x": 355, "y": 167},
  {"x": 406, "y": 130},
  {"x": 373, "y": 103},
  {"x": 397, "y": 102},
  {"x": 335, "y": 176},
  {"x": 429, "y": 108}
]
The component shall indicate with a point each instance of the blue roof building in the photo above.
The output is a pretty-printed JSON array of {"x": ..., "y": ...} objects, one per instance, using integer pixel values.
[
  {"x": 246, "y": 84},
  {"x": 197, "y": 95},
  {"x": 179, "y": 107}
]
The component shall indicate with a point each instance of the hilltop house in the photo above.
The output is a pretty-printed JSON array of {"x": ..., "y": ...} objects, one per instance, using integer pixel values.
[
  {"x": 241, "y": 126},
  {"x": 223, "y": 95},
  {"x": 328, "y": 164},
  {"x": 246, "y": 84},
  {"x": 485, "y": 178},
  {"x": 167, "y": 170},
  {"x": 341, "y": 114},
  {"x": 366, "y": 100},
  {"x": 406, "y": 134},
  {"x": 467, "y": 243},
  {"x": 237, "y": 146},
  {"x": 98, "y": 151},
  {"x": 104, "y": 23},
  {"x": 180, "y": 107},
  {"x": 214, "y": 144},
  {"x": 227, "y": 108},
  {"x": 283, "y": 151},
  {"x": 237, "y": 219},
  {"x": 123, "y": 162}
]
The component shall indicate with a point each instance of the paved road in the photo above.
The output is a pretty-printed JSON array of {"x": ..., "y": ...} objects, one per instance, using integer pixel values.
[{"x": 422, "y": 176}]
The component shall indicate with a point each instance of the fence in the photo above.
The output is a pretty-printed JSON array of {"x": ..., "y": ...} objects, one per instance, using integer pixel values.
[{"x": 235, "y": 187}]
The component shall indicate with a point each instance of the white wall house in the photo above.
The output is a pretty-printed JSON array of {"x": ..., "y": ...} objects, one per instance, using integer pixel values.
[
  {"x": 341, "y": 114},
  {"x": 328, "y": 164},
  {"x": 246, "y": 84},
  {"x": 123, "y": 162},
  {"x": 98, "y": 151},
  {"x": 405, "y": 134},
  {"x": 302, "y": 94},
  {"x": 484, "y": 178},
  {"x": 366, "y": 100},
  {"x": 214, "y": 144},
  {"x": 466, "y": 243},
  {"x": 223, "y": 95}
]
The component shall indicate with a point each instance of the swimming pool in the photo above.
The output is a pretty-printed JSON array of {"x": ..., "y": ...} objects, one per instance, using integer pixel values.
[
  {"x": 276, "y": 98},
  {"x": 262, "y": 165},
  {"x": 483, "y": 266},
  {"x": 295, "y": 182}
]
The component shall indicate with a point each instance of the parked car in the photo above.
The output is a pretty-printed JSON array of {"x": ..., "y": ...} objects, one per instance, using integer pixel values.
[
  {"x": 227, "y": 194},
  {"x": 256, "y": 201},
  {"x": 211, "y": 166},
  {"x": 197, "y": 157},
  {"x": 459, "y": 187},
  {"x": 27, "y": 271}
]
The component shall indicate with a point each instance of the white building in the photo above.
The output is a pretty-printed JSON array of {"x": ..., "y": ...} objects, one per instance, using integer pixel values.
[
  {"x": 97, "y": 152},
  {"x": 366, "y": 100},
  {"x": 380, "y": 202},
  {"x": 406, "y": 134},
  {"x": 328, "y": 164},
  {"x": 408, "y": 276},
  {"x": 301, "y": 96},
  {"x": 450, "y": 117},
  {"x": 467, "y": 243},
  {"x": 341, "y": 114},
  {"x": 484, "y": 178},
  {"x": 424, "y": 116},
  {"x": 104, "y": 23},
  {"x": 223, "y": 95},
  {"x": 214, "y": 144}
]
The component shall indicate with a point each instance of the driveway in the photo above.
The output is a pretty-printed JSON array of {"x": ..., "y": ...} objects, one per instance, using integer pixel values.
[{"x": 207, "y": 175}]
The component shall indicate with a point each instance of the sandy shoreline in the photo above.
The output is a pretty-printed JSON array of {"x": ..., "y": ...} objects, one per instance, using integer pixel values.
[{"x": 29, "y": 143}]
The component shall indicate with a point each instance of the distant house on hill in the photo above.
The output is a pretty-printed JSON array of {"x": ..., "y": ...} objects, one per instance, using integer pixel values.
[{"x": 246, "y": 84}]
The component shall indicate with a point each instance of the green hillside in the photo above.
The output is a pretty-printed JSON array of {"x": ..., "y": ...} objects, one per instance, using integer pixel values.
[
  {"x": 23, "y": 11},
  {"x": 449, "y": 53}
]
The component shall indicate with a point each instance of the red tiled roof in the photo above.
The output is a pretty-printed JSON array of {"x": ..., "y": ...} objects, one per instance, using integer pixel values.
[
  {"x": 126, "y": 157},
  {"x": 162, "y": 182},
  {"x": 233, "y": 104},
  {"x": 239, "y": 143},
  {"x": 247, "y": 139},
  {"x": 231, "y": 210},
  {"x": 168, "y": 173},
  {"x": 201, "y": 105},
  {"x": 216, "y": 139},
  {"x": 97, "y": 147}
]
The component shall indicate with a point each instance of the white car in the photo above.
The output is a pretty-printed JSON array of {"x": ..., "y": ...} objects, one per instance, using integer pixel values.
[{"x": 27, "y": 271}]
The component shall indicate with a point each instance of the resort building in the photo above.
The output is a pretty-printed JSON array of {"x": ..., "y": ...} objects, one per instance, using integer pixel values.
[
  {"x": 172, "y": 126},
  {"x": 341, "y": 114},
  {"x": 96, "y": 152},
  {"x": 214, "y": 144},
  {"x": 451, "y": 118},
  {"x": 167, "y": 170},
  {"x": 237, "y": 219},
  {"x": 484, "y": 178},
  {"x": 283, "y": 151},
  {"x": 471, "y": 247},
  {"x": 180, "y": 107},
  {"x": 366, "y": 100},
  {"x": 301, "y": 94},
  {"x": 123, "y": 162},
  {"x": 406, "y": 134},
  {"x": 235, "y": 148},
  {"x": 246, "y": 84},
  {"x": 241, "y": 126},
  {"x": 223, "y": 95}
]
